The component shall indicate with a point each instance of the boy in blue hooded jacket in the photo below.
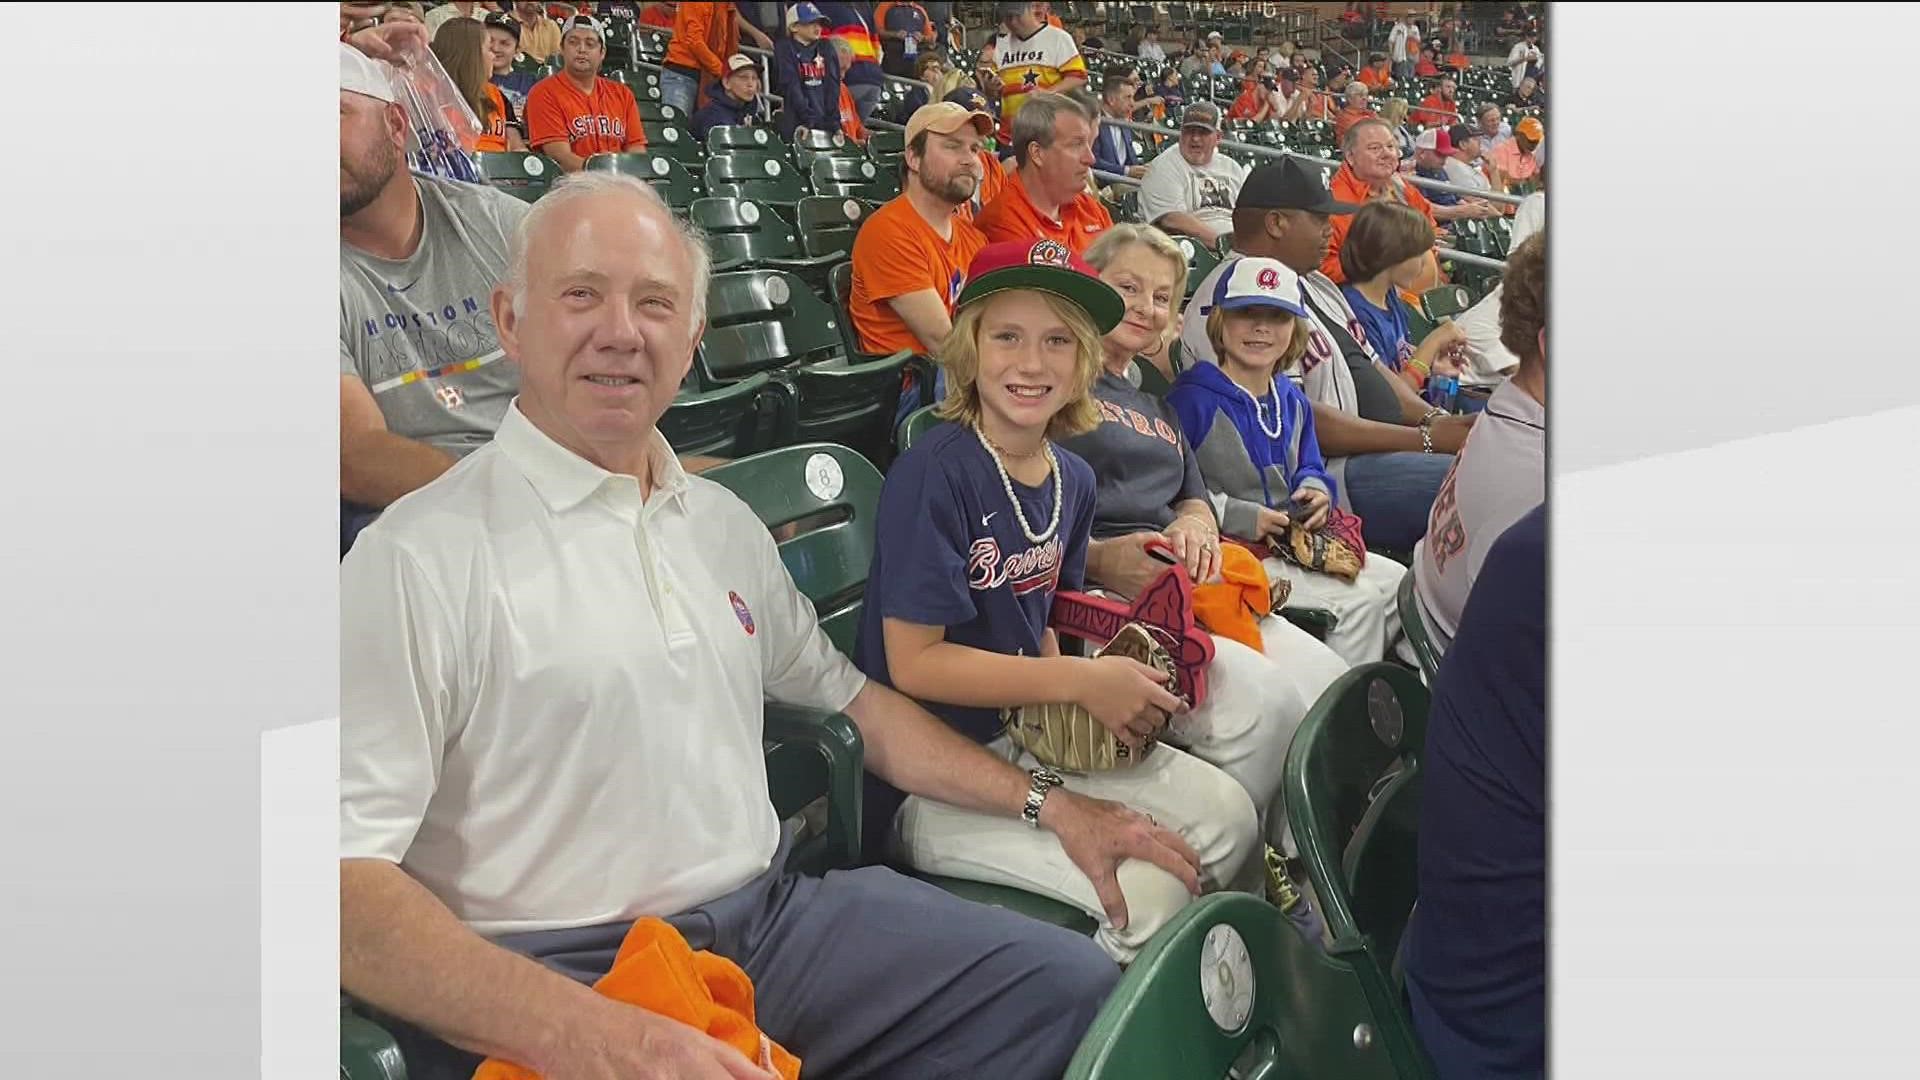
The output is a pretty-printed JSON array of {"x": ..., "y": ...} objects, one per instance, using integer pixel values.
[{"x": 1251, "y": 430}]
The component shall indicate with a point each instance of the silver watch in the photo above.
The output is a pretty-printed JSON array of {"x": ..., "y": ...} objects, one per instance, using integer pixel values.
[{"x": 1042, "y": 780}]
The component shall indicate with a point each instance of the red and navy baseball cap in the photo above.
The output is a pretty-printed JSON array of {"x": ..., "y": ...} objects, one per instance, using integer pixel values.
[
  {"x": 1042, "y": 266},
  {"x": 1250, "y": 281}
]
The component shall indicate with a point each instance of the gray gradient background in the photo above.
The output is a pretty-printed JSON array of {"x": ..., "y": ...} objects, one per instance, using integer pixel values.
[
  {"x": 168, "y": 561},
  {"x": 1729, "y": 709}
]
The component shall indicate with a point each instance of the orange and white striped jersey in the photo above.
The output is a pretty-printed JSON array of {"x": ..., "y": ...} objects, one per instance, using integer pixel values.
[{"x": 1029, "y": 64}]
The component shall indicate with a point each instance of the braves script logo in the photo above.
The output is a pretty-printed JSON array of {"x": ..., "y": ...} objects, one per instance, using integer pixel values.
[
  {"x": 1269, "y": 279},
  {"x": 1035, "y": 568},
  {"x": 1048, "y": 253},
  {"x": 740, "y": 612}
]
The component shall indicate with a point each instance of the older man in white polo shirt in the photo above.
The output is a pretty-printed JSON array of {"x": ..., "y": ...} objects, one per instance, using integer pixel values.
[{"x": 554, "y": 660}]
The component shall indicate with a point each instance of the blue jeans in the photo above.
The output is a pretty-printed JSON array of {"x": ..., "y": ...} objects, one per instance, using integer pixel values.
[
  {"x": 679, "y": 90},
  {"x": 865, "y": 96},
  {"x": 1393, "y": 494}
]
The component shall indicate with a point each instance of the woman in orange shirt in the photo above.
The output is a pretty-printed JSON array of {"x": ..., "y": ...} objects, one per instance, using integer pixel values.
[{"x": 461, "y": 47}]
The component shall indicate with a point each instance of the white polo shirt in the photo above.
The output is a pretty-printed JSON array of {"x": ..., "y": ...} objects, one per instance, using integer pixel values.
[{"x": 552, "y": 693}]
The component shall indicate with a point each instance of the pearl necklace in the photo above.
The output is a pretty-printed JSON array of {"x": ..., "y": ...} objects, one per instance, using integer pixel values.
[
  {"x": 1259, "y": 412},
  {"x": 1059, "y": 489}
]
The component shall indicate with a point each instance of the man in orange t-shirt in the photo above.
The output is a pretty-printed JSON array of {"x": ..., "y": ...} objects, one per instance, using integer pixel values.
[
  {"x": 910, "y": 258},
  {"x": 1377, "y": 75},
  {"x": 574, "y": 113},
  {"x": 1441, "y": 108},
  {"x": 1372, "y": 171},
  {"x": 1047, "y": 195}
]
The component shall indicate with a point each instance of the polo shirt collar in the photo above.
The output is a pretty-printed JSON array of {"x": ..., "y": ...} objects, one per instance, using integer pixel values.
[{"x": 564, "y": 479}]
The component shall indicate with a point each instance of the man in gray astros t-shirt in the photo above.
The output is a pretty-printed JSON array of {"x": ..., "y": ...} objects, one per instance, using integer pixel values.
[{"x": 422, "y": 377}]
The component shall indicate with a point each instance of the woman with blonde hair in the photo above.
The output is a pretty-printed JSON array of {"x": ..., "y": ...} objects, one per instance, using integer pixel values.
[
  {"x": 461, "y": 47},
  {"x": 1394, "y": 112},
  {"x": 980, "y": 523}
]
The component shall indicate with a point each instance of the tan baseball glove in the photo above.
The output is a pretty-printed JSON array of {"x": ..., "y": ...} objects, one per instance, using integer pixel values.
[{"x": 1065, "y": 736}]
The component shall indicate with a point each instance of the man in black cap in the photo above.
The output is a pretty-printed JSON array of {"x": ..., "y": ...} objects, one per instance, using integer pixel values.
[{"x": 1386, "y": 449}]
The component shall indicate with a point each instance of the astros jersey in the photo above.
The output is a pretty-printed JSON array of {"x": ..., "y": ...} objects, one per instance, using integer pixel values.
[
  {"x": 1039, "y": 62},
  {"x": 604, "y": 122}
]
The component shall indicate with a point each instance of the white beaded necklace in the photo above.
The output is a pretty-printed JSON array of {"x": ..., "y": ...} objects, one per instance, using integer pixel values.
[
  {"x": 1259, "y": 412},
  {"x": 1059, "y": 489}
]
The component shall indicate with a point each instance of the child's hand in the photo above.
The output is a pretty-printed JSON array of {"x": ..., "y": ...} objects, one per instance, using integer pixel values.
[{"x": 1317, "y": 500}]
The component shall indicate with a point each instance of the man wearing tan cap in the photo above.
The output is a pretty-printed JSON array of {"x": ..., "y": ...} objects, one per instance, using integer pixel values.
[
  {"x": 1193, "y": 191},
  {"x": 911, "y": 257},
  {"x": 1512, "y": 161}
]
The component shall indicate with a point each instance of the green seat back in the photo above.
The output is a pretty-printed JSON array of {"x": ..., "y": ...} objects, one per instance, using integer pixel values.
[
  {"x": 1201, "y": 260},
  {"x": 660, "y": 110},
  {"x": 918, "y": 423},
  {"x": 1351, "y": 789},
  {"x": 731, "y": 137},
  {"x": 754, "y": 174},
  {"x": 367, "y": 1051},
  {"x": 847, "y": 401},
  {"x": 668, "y": 177},
  {"x": 886, "y": 141},
  {"x": 840, "y": 491},
  {"x": 1416, "y": 628},
  {"x": 649, "y": 46},
  {"x": 521, "y": 173},
  {"x": 1307, "y": 1014},
  {"x": 672, "y": 139},
  {"x": 731, "y": 420},
  {"x": 1444, "y": 300},
  {"x": 809, "y": 144},
  {"x": 742, "y": 231},
  {"x": 1150, "y": 379},
  {"x": 758, "y": 320},
  {"x": 855, "y": 177},
  {"x": 828, "y": 224}
]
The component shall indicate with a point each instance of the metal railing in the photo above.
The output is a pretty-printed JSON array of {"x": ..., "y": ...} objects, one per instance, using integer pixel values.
[{"x": 1277, "y": 152}]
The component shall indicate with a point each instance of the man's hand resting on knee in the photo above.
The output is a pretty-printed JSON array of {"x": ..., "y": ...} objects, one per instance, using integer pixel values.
[
  {"x": 1099, "y": 834},
  {"x": 624, "y": 1042}
]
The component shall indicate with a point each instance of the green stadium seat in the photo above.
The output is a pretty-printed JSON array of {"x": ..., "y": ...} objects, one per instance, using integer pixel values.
[
  {"x": 1353, "y": 797},
  {"x": 917, "y": 379},
  {"x": 917, "y": 424},
  {"x": 1415, "y": 628},
  {"x": 670, "y": 178},
  {"x": 742, "y": 233},
  {"x": 828, "y": 225},
  {"x": 1201, "y": 260},
  {"x": 755, "y": 174},
  {"x": 809, "y": 144},
  {"x": 521, "y": 173},
  {"x": 760, "y": 320},
  {"x": 730, "y": 420},
  {"x": 658, "y": 110},
  {"x": 730, "y": 137},
  {"x": 673, "y": 139},
  {"x": 886, "y": 141},
  {"x": 367, "y": 1050},
  {"x": 1230, "y": 989},
  {"x": 853, "y": 177}
]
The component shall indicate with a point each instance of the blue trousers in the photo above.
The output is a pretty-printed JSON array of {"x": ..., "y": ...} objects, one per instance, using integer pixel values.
[
  {"x": 865, "y": 973},
  {"x": 1393, "y": 494},
  {"x": 679, "y": 90}
]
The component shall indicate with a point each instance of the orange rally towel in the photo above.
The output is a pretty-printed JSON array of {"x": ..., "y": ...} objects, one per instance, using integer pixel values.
[
  {"x": 1234, "y": 606},
  {"x": 656, "y": 971}
]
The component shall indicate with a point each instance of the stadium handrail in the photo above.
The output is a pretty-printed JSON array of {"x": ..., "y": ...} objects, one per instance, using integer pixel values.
[
  {"x": 1276, "y": 152},
  {"x": 1466, "y": 257}
]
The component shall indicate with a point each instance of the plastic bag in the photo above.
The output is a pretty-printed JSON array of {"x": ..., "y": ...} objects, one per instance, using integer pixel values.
[{"x": 444, "y": 131}]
